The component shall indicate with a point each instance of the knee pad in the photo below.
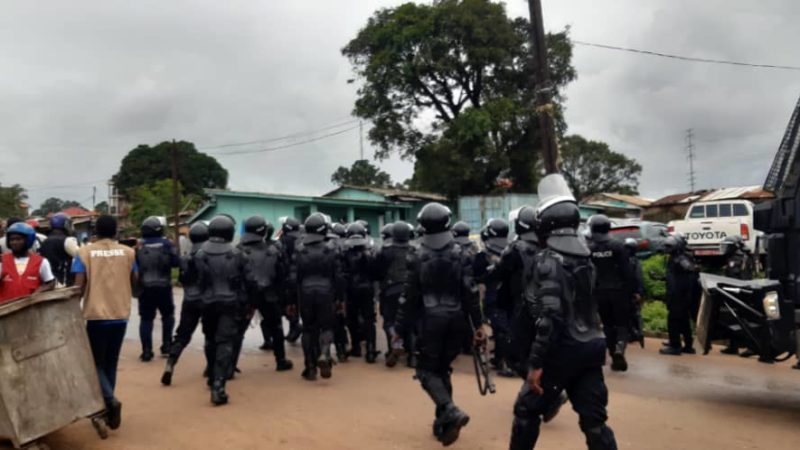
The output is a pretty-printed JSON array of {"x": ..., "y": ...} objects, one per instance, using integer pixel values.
[{"x": 600, "y": 438}]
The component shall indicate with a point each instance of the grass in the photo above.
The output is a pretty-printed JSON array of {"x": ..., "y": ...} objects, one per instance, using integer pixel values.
[{"x": 654, "y": 316}]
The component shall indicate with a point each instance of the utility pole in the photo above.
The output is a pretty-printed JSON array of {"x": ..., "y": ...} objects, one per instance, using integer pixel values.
[
  {"x": 175, "y": 212},
  {"x": 541, "y": 82},
  {"x": 690, "y": 155},
  {"x": 361, "y": 138},
  {"x": 94, "y": 197}
]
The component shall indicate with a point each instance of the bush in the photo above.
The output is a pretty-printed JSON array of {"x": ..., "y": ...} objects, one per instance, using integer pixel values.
[
  {"x": 654, "y": 270},
  {"x": 654, "y": 316}
]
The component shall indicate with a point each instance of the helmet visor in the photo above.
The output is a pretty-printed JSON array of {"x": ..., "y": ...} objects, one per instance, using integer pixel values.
[{"x": 553, "y": 189}]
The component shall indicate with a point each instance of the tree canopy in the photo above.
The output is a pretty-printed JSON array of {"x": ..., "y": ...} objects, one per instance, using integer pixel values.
[
  {"x": 101, "y": 207},
  {"x": 449, "y": 86},
  {"x": 54, "y": 205},
  {"x": 153, "y": 200},
  {"x": 590, "y": 167},
  {"x": 146, "y": 165},
  {"x": 11, "y": 200},
  {"x": 361, "y": 173}
]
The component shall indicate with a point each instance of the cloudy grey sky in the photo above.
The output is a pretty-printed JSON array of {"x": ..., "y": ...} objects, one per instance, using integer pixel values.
[{"x": 83, "y": 82}]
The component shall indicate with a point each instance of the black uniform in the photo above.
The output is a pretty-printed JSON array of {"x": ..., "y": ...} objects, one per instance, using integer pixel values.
[
  {"x": 192, "y": 305},
  {"x": 320, "y": 286},
  {"x": 682, "y": 282},
  {"x": 155, "y": 259},
  {"x": 636, "y": 325},
  {"x": 612, "y": 290},
  {"x": 60, "y": 261},
  {"x": 287, "y": 243},
  {"x": 392, "y": 269},
  {"x": 265, "y": 272},
  {"x": 221, "y": 270},
  {"x": 340, "y": 339},
  {"x": 358, "y": 270},
  {"x": 440, "y": 291},
  {"x": 569, "y": 348}
]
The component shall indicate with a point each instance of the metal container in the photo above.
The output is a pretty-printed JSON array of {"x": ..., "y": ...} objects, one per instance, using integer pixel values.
[{"x": 48, "y": 378}]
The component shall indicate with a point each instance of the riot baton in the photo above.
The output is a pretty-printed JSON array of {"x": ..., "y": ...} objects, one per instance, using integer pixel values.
[{"x": 483, "y": 372}]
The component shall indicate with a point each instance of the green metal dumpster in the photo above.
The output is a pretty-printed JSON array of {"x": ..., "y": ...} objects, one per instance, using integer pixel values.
[{"x": 47, "y": 374}]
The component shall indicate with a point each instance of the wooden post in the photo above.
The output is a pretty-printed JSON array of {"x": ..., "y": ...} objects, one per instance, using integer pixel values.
[{"x": 541, "y": 82}]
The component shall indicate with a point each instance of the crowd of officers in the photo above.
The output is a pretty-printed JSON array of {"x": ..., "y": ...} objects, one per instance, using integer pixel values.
[{"x": 558, "y": 301}]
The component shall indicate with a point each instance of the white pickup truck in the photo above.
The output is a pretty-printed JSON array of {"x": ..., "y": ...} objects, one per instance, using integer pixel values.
[{"x": 708, "y": 223}]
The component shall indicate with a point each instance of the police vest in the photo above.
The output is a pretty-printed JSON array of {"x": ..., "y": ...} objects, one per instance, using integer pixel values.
[
  {"x": 316, "y": 265},
  {"x": 154, "y": 265},
  {"x": 220, "y": 269},
  {"x": 441, "y": 277},
  {"x": 261, "y": 265}
]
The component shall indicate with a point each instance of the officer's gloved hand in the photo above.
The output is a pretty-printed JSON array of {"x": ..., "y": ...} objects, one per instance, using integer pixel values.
[
  {"x": 534, "y": 381},
  {"x": 481, "y": 336}
]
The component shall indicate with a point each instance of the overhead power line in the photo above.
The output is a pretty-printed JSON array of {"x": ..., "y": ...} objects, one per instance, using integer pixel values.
[
  {"x": 282, "y": 138},
  {"x": 686, "y": 58},
  {"x": 281, "y": 147}
]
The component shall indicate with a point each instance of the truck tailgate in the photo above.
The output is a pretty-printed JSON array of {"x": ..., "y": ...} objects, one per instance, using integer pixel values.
[{"x": 705, "y": 236}]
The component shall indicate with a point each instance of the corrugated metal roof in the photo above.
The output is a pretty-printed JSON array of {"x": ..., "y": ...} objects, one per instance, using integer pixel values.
[
  {"x": 633, "y": 200},
  {"x": 747, "y": 192},
  {"x": 679, "y": 199},
  {"x": 392, "y": 193}
]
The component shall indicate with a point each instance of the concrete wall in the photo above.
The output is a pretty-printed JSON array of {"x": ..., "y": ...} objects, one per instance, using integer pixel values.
[{"x": 476, "y": 210}]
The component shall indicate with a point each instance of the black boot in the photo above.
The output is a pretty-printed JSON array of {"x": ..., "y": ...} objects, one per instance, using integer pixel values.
[
  {"x": 341, "y": 353},
  {"x": 166, "y": 378},
  {"x": 309, "y": 374},
  {"x": 283, "y": 365},
  {"x": 524, "y": 433},
  {"x": 114, "y": 414},
  {"x": 675, "y": 351},
  {"x": 618, "y": 362},
  {"x": 452, "y": 420},
  {"x": 218, "y": 395},
  {"x": 372, "y": 353},
  {"x": 325, "y": 367},
  {"x": 147, "y": 355},
  {"x": 295, "y": 330},
  {"x": 355, "y": 350}
]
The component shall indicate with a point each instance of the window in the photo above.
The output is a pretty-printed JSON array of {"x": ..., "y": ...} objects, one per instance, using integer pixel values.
[
  {"x": 740, "y": 210},
  {"x": 725, "y": 210},
  {"x": 698, "y": 212},
  {"x": 711, "y": 211}
]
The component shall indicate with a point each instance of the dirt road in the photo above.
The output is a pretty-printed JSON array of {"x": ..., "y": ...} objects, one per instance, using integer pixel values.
[{"x": 687, "y": 402}]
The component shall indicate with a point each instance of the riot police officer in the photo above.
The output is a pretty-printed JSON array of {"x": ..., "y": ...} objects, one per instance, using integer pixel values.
[
  {"x": 392, "y": 271},
  {"x": 192, "y": 305},
  {"x": 59, "y": 248},
  {"x": 320, "y": 287},
  {"x": 461, "y": 237},
  {"x": 386, "y": 234},
  {"x": 155, "y": 258},
  {"x": 265, "y": 273},
  {"x": 612, "y": 289},
  {"x": 569, "y": 348},
  {"x": 682, "y": 280},
  {"x": 440, "y": 290},
  {"x": 337, "y": 235},
  {"x": 637, "y": 328},
  {"x": 290, "y": 232},
  {"x": 358, "y": 272},
  {"x": 221, "y": 271},
  {"x": 738, "y": 264},
  {"x": 497, "y": 301}
]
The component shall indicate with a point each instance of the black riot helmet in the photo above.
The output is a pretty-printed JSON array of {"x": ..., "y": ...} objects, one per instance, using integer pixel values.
[
  {"x": 461, "y": 233},
  {"x": 222, "y": 228},
  {"x": 290, "y": 225},
  {"x": 495, "y": 235},
  {"x": 402, "y": 232},
  {"x": 339, "y": 230},
  {"x": 316, "y": 227},
  {"x": 356, "y": 234},
  {"x": 152, "y": 227},
  {"x": 435, "y": 220},
  {"x": 558, "y": 216},
  {"x": 632, "y": 245},
  {"x": 255, "y": 225},
  {"x": 731, "y": 244},
  {"x": 600, "y": 226},
  {"x": 198, "y": 233},
  {"x": 526, "y": 224},
  {"x": 364, "y": 224},
  {"x": 386, "y": 231}
]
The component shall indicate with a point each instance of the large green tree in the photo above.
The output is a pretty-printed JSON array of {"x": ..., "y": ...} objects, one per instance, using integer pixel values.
[
  {"x": 361, "y": 173},
  {"x": 54, "y": 205},
  {"x": 11, "y": 200},
  {"x": 146, "y": 165},
  {"x": 591, "y": 167},
  {"x": 153, "y": 200},
  {"x": 448, "y": 85}
]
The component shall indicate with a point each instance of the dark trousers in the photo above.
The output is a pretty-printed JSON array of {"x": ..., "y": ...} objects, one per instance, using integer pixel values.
[
  {"x": 440, "y": 343},
  {"x": 679, "y": 318},
  {"x": 317, "y": 310},
  {"x": 105, "y": 339},
  {"x": 221, "y": 327},
  {"x": 614, "y": 307},
  {"x": 501, "y": 331},
  {"x": 588, "y": 395},
  {"x": 361, "y": 316},
  {"x": 191, "y": 314},
  {"x": 154, "y": 299},
  {"x": 272, "y": 325},
  {"x": 389, "y": 307}
]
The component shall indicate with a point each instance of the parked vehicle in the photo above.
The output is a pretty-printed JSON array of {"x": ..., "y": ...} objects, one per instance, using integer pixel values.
[
  {"x": 708, "y": 223},
  {"x": 650, "y": 235}
]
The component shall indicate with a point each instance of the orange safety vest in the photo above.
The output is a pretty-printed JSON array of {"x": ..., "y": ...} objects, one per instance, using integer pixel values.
[{"x": 14, "y": 285}]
